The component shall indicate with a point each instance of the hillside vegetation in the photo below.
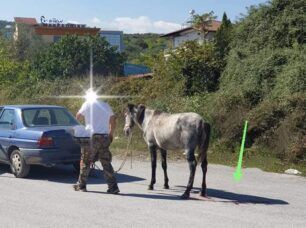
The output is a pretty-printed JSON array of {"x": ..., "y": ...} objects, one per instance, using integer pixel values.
[{"x": 140, "y": 48}]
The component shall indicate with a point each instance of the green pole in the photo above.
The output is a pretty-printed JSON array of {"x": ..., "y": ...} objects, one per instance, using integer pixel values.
[{"x": 238, "y": 172}]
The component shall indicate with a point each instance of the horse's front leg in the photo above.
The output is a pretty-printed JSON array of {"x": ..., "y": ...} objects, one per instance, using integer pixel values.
[
  {"x": 192, "y": 168},
  {"x": 164, "y": 165},
  {"x": 152, "y": 149}
]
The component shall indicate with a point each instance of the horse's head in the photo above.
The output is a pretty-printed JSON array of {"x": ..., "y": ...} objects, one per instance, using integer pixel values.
[{"x": 133, "y": 114}]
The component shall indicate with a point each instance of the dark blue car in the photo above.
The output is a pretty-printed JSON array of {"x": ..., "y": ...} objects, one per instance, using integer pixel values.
[{"x": 37, "y": 135}]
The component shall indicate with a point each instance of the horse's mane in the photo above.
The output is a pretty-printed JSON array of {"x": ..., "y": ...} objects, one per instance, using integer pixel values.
[{"x": 157, "y": 112}]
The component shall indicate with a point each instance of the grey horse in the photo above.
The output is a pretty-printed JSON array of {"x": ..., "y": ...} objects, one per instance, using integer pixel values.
[{"x": 166, "y": 131}]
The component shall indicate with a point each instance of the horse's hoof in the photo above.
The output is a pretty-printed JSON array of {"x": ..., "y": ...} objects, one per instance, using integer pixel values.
[
  {"x": 166, "y": 186},
  {"x": 185, "y": 196},
  {"x": 203, "y": 194},
  {"x": 150, "y": 187}
]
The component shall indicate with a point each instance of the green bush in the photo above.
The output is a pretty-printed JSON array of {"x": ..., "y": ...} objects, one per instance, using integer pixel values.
[
  {"x": 198, "y": 65},
  {"x": 264, "y": 80},
  {"x": 71, "y": 56}
]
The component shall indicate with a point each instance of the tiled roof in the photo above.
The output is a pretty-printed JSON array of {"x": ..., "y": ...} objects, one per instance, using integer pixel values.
[
  {"x": 25, "y": 20},
  {"x": 212, "y": 28}
]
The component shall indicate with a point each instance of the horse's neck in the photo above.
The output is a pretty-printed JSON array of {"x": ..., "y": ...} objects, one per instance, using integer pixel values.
[{"x": 147, "y": 118}]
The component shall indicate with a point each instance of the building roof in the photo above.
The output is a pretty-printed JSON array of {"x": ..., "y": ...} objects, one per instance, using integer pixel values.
[
  {"x": 213, "y": 28},
  {"x": 25, "y": 20}
]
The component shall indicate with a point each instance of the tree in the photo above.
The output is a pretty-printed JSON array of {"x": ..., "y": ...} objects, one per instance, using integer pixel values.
[
  {"x": 264, "y": 79},
  {"x": 198, "y": 65},
  {"x": 11, "y": 71},
  {"x": 140, "y": 47},
  {"x": 202, "y": 22},
  {"x": 71, "y": 57},
  {"x": 28, "y": 43},
  {"x": 223, "y": 37}
]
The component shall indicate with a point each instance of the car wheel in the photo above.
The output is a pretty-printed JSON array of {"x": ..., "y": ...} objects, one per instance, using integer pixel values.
[
  {"x": 76, "y": 166},
  {"x": 21, "y": 169}
]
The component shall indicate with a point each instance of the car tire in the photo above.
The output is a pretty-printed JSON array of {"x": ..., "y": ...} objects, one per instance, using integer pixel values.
[
  {"x": 21, "y": 168},
  {"x": 76, "y": 166}
]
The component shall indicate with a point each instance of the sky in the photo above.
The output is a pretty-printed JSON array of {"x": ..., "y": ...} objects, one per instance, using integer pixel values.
[{"x": 130, "y": 16}]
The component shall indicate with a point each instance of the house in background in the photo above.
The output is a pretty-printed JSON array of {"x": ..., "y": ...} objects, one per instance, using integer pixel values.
[
  {"x": 51, "y": 30},
  {"x": 114, "y": 38},
  {"x": 23, "y": 23},
  {"x": 189, "y": 34}
]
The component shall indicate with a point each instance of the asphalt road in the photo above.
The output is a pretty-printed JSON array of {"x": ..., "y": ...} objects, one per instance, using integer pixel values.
[{"x": 46, "y": 199}]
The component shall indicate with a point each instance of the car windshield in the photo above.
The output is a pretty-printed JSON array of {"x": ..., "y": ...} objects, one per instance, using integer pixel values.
[{"x": 33, "y": 117}]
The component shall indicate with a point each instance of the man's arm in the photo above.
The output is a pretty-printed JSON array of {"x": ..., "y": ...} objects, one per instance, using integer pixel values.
[
  {"x": 112, "y": 126},
  {"x": 79, "y": 116}
]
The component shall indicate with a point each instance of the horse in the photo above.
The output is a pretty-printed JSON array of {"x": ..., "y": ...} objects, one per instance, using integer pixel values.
[{"x": 163, "y": 131}]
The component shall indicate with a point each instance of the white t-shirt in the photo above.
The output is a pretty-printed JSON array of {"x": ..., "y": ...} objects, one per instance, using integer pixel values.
[{"x": 97, "y": 115}]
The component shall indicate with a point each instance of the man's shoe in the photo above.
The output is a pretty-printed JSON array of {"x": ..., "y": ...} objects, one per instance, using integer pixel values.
[
  {"x": 79, "y": 187},
  {"x": 113, "y": 190}
]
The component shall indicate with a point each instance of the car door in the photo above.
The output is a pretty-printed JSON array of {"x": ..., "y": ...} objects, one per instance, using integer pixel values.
[{"x": 7, "y": 130}]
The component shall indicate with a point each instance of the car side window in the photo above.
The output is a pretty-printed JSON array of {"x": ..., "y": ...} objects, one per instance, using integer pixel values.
[
  {"x": 43, "y": 118},
  {"x": 61, "y": 118},
  {"x": 7, "y": 119}
]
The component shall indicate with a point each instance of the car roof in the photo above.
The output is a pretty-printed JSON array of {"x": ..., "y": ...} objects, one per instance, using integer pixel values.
[{"x": 30, "y": 106}]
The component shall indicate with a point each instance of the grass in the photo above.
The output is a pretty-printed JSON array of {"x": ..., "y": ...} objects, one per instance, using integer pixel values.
[
  {"x": 217, "y": 154},
  {"x": 265, "y": 162}
]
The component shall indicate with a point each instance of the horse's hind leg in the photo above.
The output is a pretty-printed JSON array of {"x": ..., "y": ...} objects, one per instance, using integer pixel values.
[
  {"x": 153, "y": 166},
  {"x": 204, "y": 170},
  {"x": 164, "y": 165},
  {"x": 192, "y": 168}
]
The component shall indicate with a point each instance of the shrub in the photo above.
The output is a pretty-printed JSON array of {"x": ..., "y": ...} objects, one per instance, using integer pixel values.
[{"x": 71, "y": 56}]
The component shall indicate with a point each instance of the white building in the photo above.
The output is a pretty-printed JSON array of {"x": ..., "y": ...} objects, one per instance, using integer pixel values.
[
  {"x": 50, "y": 30},
  {"x": 189, "y": 34},
  {"x": 114, "y": 38}
]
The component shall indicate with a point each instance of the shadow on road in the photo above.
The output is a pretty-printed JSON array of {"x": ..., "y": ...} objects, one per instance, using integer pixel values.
[
  {"x": 243, "y": 198},
  {"x": 214, "y": 195},
  {"x": 159, "y": 196},
  {"x": 238, "y": 198},
  {"x": 67, "y": 174},
  {"x": 4, "y": 169}
]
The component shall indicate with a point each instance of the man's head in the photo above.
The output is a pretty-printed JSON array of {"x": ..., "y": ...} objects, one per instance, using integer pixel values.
[{"x": 91, "y": 96}]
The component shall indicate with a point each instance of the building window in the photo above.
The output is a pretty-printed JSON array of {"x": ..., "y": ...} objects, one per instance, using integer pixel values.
[{"x": 114, "y": 38}]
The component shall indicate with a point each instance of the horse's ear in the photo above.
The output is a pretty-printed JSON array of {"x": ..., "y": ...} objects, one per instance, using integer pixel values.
[
  {"x": 130, "y": 107},
  {"x": 140, "y": 113}
]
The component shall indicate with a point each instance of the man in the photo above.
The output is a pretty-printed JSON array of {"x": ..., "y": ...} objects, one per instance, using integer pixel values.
[{"x": 100, "y": 122}]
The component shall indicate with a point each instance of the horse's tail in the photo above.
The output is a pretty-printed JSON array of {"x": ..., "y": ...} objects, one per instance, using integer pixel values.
[{"x": 204, "y": 135}]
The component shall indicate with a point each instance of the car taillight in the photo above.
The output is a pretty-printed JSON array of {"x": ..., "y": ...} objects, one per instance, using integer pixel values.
[{"x": 45, "y": 141}]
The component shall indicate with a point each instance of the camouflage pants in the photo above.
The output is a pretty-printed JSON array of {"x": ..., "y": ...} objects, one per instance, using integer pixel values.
[{"x": 96, "y": 148}]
